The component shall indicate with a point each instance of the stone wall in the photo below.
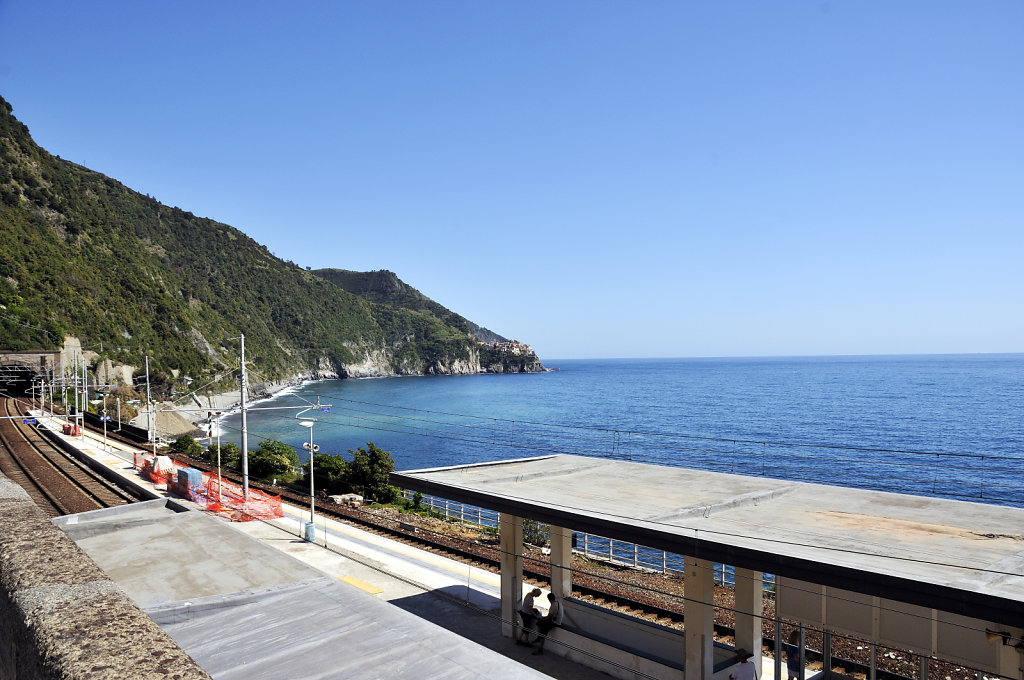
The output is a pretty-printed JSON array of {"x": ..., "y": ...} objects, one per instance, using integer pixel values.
[{"x": 61, "y": 618}]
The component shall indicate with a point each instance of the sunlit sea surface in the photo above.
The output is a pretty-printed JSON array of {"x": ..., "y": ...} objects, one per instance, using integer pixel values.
[{"x": 932, "y": 425}]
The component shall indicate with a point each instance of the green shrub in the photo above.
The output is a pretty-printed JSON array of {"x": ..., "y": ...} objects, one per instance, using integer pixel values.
[
  {"x": 272, "y": 458},
  {"x": 187, "y": 445},
  {"x": 368, "y": 473}
]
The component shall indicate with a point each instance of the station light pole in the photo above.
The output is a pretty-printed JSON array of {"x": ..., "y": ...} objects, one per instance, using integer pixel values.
[
  {"x": 312, "y": 448},
  {"x": 106, "y": 419},
  {"x": 220, "y": 495}
]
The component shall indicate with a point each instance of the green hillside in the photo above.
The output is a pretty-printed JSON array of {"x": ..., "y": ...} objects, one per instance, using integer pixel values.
[
  {"x": 386, "y": 288},
  {"x": 82, "y": 254}
]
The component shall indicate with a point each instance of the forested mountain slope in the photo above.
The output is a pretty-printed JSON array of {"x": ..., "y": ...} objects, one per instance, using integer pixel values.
[
  {"x": 386, "y": 288},
  {"x": 82, "y": 254}
]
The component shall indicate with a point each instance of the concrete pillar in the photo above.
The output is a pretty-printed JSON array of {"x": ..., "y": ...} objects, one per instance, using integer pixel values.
[
  {"x": 1011, "y": 659},
  {"x": 511, "y": 533},
  {"x": 749, "y": 605},
  {"x": 699, "y": 619},
  {"x": 561, "y": 561}
]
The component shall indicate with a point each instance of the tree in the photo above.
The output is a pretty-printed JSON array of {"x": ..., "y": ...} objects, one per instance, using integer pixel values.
[
  {"x": 230, "y": 455},
  {"x": 330, "y": 472},
  {"x": 272, "y": 458},
  {"x": 368, "y": 473},
  {"x": 187, "y": 445}
]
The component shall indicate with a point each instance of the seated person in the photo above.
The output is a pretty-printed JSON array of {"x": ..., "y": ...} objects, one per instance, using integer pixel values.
[
  {"x": 530, "y": 615},
  {"x": 546, "y": 624}
]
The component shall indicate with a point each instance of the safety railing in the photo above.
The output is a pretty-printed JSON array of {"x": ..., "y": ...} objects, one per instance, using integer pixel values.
[{"x": 591, "y": 546}]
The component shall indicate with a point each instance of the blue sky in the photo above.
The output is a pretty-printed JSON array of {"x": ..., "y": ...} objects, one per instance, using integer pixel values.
[{"x": 598, "y": 179}]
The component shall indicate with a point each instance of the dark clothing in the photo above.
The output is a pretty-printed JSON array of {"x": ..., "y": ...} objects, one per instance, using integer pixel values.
[
  {"x": 545, "y": 625},
  {"x": 793, "y": 662},
  {"x": 529, "y": 620}
]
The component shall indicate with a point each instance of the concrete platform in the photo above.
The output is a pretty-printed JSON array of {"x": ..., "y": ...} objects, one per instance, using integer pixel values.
[
  {"x": 243, "y": 609},
  {"x": 438, "y": 591},
  {"x": 958, "y": 557}
]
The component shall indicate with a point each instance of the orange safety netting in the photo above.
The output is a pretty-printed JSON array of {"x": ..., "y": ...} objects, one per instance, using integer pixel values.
[
  {"x": 227, "y": 497},
  {"x": 157, "y": 469},
  {"x": 216, "y": 495}
]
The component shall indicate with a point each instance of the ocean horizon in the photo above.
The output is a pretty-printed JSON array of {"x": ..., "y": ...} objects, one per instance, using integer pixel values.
[{"x": 949, "y": 425}]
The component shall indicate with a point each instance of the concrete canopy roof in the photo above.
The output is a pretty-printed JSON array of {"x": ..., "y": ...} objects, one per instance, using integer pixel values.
[{"x": 964, "y": 558}]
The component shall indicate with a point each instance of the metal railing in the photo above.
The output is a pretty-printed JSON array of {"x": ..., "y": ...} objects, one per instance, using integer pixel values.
[{"x": 591, "y": 546}]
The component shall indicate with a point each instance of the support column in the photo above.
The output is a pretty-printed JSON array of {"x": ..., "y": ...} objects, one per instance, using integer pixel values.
[
  {"x": 749, "y": 592},
  {"x": 511, "y": 532},
  {"x": 561, "y": 561},
  {"x": 1011, "y": 659},
  {"x": 699, "y": 619}
]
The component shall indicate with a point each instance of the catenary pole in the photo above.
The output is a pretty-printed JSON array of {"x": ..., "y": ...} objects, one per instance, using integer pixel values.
[
  {"x": 85, "y": 395},
  {"x": 149, "y": 410},
  {"x": 245, "y": 431}
]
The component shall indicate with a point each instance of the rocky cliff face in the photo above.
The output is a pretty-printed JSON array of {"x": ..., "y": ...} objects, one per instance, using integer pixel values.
[
  {"x": 523, "y": 366},
  {"x": 376, "y": 362}
]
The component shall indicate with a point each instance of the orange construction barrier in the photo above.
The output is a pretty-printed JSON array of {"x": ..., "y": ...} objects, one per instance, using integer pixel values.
[
  {"x": 215, "y": 495},
  {"x": 226, "y": 497}
]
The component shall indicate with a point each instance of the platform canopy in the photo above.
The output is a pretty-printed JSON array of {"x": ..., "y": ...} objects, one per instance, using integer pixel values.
[{"x": 953, "y": 556}]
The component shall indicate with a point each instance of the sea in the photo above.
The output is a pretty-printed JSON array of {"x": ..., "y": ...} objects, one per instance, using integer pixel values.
[{"x": 935, "y": 425}]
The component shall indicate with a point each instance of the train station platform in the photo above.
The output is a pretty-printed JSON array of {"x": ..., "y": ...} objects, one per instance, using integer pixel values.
[
  {"x": 243, "y": 609},
  {"x": 253, "y": 599}
]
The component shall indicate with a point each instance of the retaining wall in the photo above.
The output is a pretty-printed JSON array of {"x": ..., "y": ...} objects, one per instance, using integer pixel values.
[{"x": 61, "y": 618}]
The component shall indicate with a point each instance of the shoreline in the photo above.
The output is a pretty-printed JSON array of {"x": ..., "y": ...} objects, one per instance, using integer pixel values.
[{"x": 229, "y": 403}]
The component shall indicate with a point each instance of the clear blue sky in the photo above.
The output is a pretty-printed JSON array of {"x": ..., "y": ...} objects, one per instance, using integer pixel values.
[{"x": 598, "y": 179}]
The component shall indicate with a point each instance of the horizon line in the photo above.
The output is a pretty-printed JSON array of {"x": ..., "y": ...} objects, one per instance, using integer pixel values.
[{"x": 793, "y": 356}]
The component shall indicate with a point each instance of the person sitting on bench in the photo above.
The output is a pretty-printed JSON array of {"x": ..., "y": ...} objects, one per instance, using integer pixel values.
[
  {"x": 549, "y": 622},
  {"x": 529, "y": 615}
]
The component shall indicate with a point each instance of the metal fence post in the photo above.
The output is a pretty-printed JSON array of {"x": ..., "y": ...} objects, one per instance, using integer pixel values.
[{"x": 778, "y": 644}]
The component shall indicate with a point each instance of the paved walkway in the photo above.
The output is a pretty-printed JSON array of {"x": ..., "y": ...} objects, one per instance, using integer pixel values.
[{"x": 453, "y": 595}]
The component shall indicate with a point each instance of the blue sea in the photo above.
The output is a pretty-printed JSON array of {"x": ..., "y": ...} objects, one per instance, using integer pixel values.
[{"x": 950, "y": 426}]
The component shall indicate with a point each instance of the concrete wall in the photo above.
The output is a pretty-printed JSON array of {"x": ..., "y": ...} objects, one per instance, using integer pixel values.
[
  {"x": 923, "y": 631},
  {"x": 623, "y": 646},
  {"x": 62, "y": 618}
]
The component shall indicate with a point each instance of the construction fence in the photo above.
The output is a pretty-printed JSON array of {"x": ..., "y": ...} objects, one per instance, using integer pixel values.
[{"x": 207, "y": 489}]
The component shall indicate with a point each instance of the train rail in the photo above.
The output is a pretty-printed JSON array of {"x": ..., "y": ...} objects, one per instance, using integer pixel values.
[
  {"x": 57, "y": 483},
  {"x": 599, "y": 590}
]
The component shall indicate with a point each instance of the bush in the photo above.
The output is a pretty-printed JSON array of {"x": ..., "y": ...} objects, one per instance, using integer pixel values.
[
  {"x": 330, "y": 471},
  {"x": 187, "y": 445},
  {"x": 272, "y": 459},
  {"x": 230, "y": 455},
  {"x": 368, "y": 473}
]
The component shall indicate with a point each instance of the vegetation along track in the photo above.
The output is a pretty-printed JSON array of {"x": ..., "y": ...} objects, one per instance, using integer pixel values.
[{"x": 57, "y": 483}]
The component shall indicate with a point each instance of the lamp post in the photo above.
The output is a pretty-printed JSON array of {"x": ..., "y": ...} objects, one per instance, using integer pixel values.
[
  {"x": 220, "y": 497},
  {"x": 106, "y": 419},
  {"x": 312, "y": 448}
]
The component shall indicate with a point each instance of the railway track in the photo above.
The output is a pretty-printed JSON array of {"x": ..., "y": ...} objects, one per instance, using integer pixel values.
[
  {"x": 476, "y": 554},
  {"x": 57, "y": 483},
  {"x": 597, "y": 590}
]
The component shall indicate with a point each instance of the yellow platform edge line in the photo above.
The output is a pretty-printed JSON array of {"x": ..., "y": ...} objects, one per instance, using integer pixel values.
[{"x": 352, "y": 581}]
